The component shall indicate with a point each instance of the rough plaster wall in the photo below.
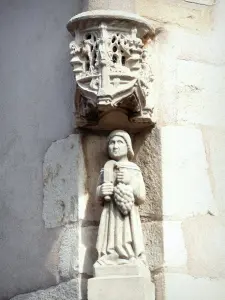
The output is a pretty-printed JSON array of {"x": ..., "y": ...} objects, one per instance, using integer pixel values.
[
  {"x": 36, "y": 91},
  {"x": 190, "y": 110}
]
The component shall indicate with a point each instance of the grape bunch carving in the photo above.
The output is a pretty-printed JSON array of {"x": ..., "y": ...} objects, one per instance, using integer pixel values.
[
  {"x": 124, "y": 198},
  {"x": 123, "y": 193}
]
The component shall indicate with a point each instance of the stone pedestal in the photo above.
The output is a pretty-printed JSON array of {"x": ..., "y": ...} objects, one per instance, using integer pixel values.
[{"x": 125, "y": 282}]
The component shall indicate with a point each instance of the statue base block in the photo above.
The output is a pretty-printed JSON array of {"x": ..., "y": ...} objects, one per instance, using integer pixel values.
[
  {"x": 121, "y": 287},
  {"x": 124, "y": 283}
]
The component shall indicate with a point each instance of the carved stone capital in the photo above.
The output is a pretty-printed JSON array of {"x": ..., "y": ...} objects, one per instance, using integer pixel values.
[{"x": 113, "y": 76}]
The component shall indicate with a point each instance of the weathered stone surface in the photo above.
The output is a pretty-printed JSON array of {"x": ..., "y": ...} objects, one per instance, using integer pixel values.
[
  {"x": 180, "y": 41},
  {"x": 121, "y": 287},
  {"x": 219, "y": 20},
  {"x": 200, "y": 101},
  {"x": 131, "y": 269},
  {"x": 185, "y": 287},
  {"x": 87, "y": 249},
  {"x": 147, "y": 147},
  {"x": 159, "y": 282},
  {"x": 185, "y": 181},
  {"x": 64, "y": 181},
  {"x": 127, "y": 5},
  {"x": 68, "y": 254},
  {"x": 153, "y": 237},
  {"x": 166, "y": 106},
  {"x": 205, "y": 243},
  {"x": 64, "y": 291},
  {"x": 177, "y": 42},
  {"x": 202, "y": 2},
  {"x": 215, "y": 146},
  {"x": 98, "y": 53},
  {"x": 175, "y": 254},
  {"x": 179, "y": 101},
  {"x": 95, "y": 155},
  {"x": 177, "y": 12}
]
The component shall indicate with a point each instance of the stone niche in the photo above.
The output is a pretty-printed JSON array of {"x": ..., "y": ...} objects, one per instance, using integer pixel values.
[{"x": 112, "y": 73}]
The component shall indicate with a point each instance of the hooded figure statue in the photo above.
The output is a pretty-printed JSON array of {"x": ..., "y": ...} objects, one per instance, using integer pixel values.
[{"x": 120, "y": 190}]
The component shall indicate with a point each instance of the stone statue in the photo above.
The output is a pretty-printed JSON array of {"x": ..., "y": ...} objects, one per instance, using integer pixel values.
[{"x": 120, "y": 190}]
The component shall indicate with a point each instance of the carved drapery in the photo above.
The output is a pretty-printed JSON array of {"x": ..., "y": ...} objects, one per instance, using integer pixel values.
[{"x": 111, "y": 68}]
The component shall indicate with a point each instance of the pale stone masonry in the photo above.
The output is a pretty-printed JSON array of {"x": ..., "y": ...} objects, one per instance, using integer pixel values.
[{"x": 191, "y": 118}]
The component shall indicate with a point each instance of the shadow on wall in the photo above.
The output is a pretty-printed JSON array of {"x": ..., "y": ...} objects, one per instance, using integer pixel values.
[
  {"x": 95, "y": 155},
  {"x": 36, "y": 85},
  {"x": 147, "y": 148}
]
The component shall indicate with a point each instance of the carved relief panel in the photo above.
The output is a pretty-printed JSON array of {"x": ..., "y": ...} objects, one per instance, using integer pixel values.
[{"x": 111, "y": 69}]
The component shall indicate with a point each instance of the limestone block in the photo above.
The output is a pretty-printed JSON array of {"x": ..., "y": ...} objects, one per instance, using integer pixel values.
[
  {"x": 179, "y": 12},
  {"x": 121, "y": 287},
  {"x": 205, "y": 242},
  {"x": 165, "y": 60},
  {"x": 218, "y": 15},
  {"x": 64, "y": 181},
  {"x": 178, "y": 102},
  {"x": 153, "y": 237},
  {"x": 87, "y": 249},
  {"x": 159, "y": 282},
  {"x": 185, "y": 287},
  {"x": 185, "y": 181},
  {"x": 147, "y": 147},
  {"x": 202, "y": 2},
  {"x": 95, "y": 156},
  {"x": 68, "y": 253},
  {"x": 178, "y": 42},
  {"x": 215, "y": 146},
  {"x": 166, "y": 106},
  {"x": 175, "y": 254},
  {"x": 199, "y": 101},
  {"x": 63, "y": 291},
  {"x": 131, "y": 269},
  {"x": 126, "y": 5}
]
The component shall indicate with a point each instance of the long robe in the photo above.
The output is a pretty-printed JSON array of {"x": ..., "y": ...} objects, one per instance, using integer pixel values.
[{"x": 120, "y": 235}]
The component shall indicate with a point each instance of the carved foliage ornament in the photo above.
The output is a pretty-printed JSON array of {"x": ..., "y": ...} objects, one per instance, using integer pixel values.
[{"x": 109, "y": 60}]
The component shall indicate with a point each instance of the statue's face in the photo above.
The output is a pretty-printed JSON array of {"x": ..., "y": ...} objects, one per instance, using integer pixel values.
[{"x": 117, "y": 148}]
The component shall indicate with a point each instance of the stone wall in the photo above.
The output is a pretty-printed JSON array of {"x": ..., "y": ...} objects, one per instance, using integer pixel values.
[
  {"x": 191, "y": 112},
  {"x": 49, "y": 223}
]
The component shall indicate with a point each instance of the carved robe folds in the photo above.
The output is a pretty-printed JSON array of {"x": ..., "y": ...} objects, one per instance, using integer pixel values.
[
  {"x": 121, "y": 270},
  {"x": 120, "y": 236}
]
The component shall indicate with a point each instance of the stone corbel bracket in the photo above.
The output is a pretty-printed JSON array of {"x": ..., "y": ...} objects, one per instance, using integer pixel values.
[{"x": 110, "y": 63}]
